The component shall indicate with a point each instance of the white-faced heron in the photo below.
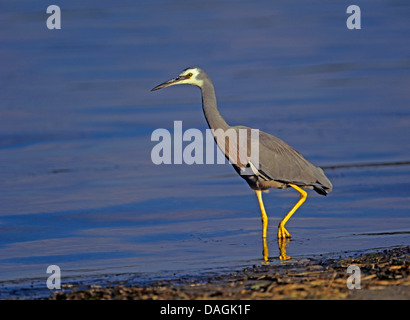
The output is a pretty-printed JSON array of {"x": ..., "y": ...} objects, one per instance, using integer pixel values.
[{"x": 280, "y": 166}]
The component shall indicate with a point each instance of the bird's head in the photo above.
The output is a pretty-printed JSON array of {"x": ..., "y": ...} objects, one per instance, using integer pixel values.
[{"x": 193, "y": 76}]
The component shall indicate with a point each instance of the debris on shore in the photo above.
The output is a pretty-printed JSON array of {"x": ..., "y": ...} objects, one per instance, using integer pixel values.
[{"x": 383, "y": 275}]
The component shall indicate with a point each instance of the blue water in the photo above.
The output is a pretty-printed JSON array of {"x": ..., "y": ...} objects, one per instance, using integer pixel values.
[{"x": 77, "y": 184}]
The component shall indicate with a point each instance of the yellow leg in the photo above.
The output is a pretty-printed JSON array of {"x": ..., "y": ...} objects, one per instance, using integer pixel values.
[
  {"x": 264, "y": 216},
  {"x": 264, "y": 224},
  {"x": 282, "y": 232}
]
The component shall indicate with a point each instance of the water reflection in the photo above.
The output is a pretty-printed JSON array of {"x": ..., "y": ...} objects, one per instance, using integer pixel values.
[{"x": 282, "y": 243}]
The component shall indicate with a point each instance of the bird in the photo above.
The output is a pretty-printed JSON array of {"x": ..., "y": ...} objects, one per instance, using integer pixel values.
[{"x": 280, "y": 166}]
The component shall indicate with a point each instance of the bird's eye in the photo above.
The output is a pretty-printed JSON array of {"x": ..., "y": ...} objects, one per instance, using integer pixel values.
[{"x": 189, "y": 75}]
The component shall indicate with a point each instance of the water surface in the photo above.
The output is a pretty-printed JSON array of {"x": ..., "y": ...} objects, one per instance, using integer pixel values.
[{"x": 77, "y": 184}]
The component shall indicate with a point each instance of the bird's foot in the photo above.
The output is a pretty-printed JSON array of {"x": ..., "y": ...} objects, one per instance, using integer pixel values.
[
  {"x": 282, "y": 242},
  {"x": 283, "y": 233}
]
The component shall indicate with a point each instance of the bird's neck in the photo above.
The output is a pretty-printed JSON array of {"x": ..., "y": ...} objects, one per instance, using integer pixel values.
[{"x": 209, "y": 105}]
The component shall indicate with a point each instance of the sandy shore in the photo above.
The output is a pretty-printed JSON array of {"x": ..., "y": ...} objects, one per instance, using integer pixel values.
[{"x": 383, "y": 275}]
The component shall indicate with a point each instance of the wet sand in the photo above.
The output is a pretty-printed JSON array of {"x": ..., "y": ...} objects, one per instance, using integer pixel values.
[{"x": 383, "y": 275}]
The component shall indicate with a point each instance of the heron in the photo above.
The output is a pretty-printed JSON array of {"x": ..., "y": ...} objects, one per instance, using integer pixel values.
[{"x": 280, "y": 166}]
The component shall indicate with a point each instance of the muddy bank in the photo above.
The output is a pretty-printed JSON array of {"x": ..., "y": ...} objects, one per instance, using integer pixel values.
[{"x": 383, "y": 275}]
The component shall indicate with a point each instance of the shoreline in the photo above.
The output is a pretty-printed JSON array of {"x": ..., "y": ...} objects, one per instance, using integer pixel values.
[{"x": 383, "y": 275}]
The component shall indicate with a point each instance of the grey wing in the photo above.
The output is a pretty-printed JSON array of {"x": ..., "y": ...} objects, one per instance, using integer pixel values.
[{"x": 281, "y": 162}]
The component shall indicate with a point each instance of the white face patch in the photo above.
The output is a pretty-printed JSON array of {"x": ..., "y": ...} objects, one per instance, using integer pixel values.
[{"x": 193, "y": 79}]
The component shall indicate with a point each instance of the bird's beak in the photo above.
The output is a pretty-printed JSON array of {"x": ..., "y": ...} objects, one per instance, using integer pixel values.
[{"x": 171, "y": 82}]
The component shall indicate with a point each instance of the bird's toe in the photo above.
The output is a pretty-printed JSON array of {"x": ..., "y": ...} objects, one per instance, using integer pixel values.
[{"x": 283, "y": 233}]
